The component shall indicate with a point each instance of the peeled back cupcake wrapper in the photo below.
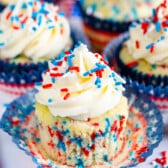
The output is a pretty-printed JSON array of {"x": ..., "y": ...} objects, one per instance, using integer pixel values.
[
  {"x": 19, "y": 122},
  {"x": 156, "y": 93}
]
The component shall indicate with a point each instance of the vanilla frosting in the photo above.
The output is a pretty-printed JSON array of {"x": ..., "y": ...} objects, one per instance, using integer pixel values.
[
  {"x": 120, "y": 10},
  {"x": 149, "y": 39},
  {"x": 79, "y": 85},
  {"x": 34, "y": 29}
]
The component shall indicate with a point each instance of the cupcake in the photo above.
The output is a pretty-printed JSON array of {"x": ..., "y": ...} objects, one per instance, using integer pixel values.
[
  {"x": 106, "y": 19},
  {"x": 31, "y": 33},
  {"x": 142, "y": 56},
  {"x": 80, "y": 109}
]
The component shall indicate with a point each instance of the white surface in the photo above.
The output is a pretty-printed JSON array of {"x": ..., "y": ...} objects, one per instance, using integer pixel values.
[{"x": 12, "y": 157}]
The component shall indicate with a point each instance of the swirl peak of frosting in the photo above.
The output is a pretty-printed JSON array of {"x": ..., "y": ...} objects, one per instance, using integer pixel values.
[
  {"x": 149, "y": 38},
  {"x": 34, "y": 29},
  {"x": 80, "y": 85}
]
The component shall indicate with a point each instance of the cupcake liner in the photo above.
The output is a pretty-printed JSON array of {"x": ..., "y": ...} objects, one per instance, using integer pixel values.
[
  {"x": 19, "y": 122},
  {"x": 17, "y": 78},
  {"x": 153, "y": 87},
  {"x": 2, "y": 6},
  {"x": 102, "y": 24}
]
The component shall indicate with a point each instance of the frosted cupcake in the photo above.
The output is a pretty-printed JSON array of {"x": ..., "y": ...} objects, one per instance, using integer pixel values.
[
  {"x": 106, "y": 19},
  {"x": 80, "y": 109},
  {"x": 144, "y": 57},
  {"x": 31, "y": 32}
]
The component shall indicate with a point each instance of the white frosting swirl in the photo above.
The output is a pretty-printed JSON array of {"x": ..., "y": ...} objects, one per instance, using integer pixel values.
[
  {"x": 86, "y": 87},
  {"x": 148, "y": 40},
  {"x": 34, "y": 29}
]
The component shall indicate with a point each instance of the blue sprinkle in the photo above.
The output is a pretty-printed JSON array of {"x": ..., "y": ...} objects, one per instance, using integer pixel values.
[
  {"x": 61, "y": 145},
  {"x": 34, "y": 28},
  {"x": 51, "y": 27},
  {"x": 37, "y": 139},
  {"x": 2, "y": 44},
  {"x": 98, "y": 82},
  {"x": 105, "y": 158},
  {"x": 30, "y": 3},
  {"x": 134, "y": 11},
  {"x": 38, "y": 83},
  {"x": 69, "y": 158},
  {"x": 162, "y": 37},
  {"x": 12, "y": 18},
  {"x": 24, "y": 6},
  {"x": 22, "y": 26},
  {"x": 77, "y": 140},
  {"x": 118, "y": 83},
  {"x": 49, "y": 21},
  {"x": 95, "y": 69},
  {"x": 12, "y": 7},
  {"x": 61, "y": 14},
  {"x": 49, "y": 100},
  {"x": 39, "y": 20},
  {"x": 64, "y": 122},
  {"x": 101, "y": 65},
  {"x": 69, "y": 61},
  {"x": 53, "y": 80},
  {"x": 16, "y": 18},
  {"x": 34, "y": 15},
  {"x": 80, "y": 163},
  {"x": 115, "y": 9},
  {"x": 165, "y": 29},
  {"x": 153, "y": 13},
  {"x": 1, "y": 31},
  {"x": 114, "y": 137},
  {"x": 86, "y": 73},
  {"x": 149, "y": 45},
  {"x": 158, "y": 26}
]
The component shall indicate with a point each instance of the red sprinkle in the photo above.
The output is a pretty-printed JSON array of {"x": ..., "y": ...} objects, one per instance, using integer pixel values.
[
  {"x": 15, "y": 122},
  {"x": 95, "y": 124},
  {"x": 164, "y": 153},
  {"x": 66, "y": 96},
  {"x": 15, "y": 27},
  {"x": 24, "y": 20},
  {"x": 59, "y": 63},
  {"x": 75, "y": 68},
  {"x": 8, "y": 15},
  {"x": 56, "y": 74},
  {"x": 46, "y": 86},
  {"x": 64, "y": 90},
  {"x": 51, "y": 144},
  {"x": 67, "y": 52},
  {"x": 137, "y": 44},
  {"x": 132, "y": 64},
  {"x": 85, "y": 151},
  {"x": 159, "y": 161},
  {"x": 62, "y": 31},
  {"x": 59, "y": 135},
  {"x": 152, "y": 48},
  {"x": 55, "y": 69},
  {"x": 145, "y": 26},
  {"x": 50, "y": 130},
  {"x": 99, "y": 73}
]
